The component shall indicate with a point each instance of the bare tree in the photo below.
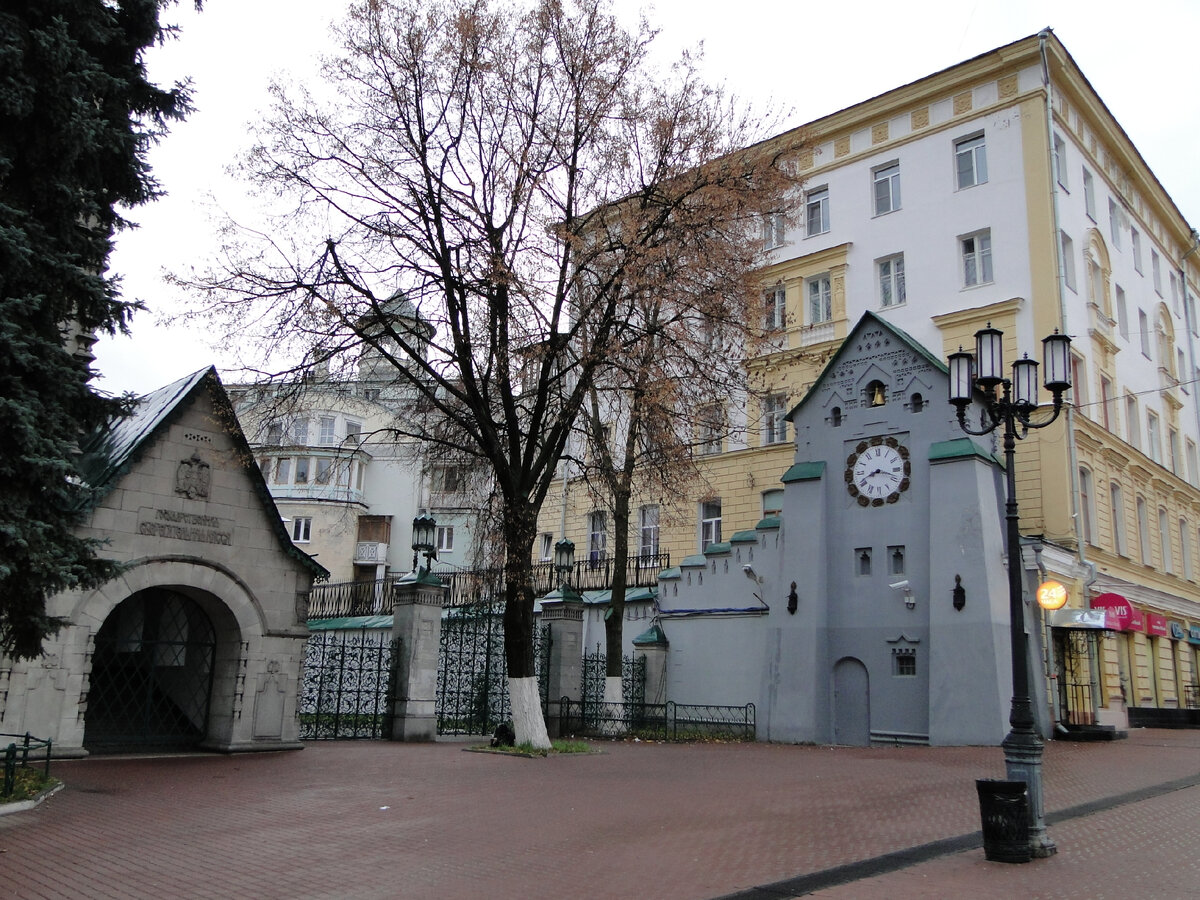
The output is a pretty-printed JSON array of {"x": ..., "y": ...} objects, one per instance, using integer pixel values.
[{"x": 518, "y": 174}]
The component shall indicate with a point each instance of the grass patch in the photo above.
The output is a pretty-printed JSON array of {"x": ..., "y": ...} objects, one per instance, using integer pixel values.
[
  {"x": 527, "y": 749},
  {"x": 28, "y": 783}
]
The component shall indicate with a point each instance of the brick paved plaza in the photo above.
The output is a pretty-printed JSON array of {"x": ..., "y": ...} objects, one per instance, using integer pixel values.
[{"x": 375, "y": 819}]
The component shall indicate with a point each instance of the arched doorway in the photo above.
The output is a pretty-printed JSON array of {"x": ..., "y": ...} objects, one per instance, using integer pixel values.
[
  {"x": 152, "y": 675},
  {"x": 851, "y": 703}
]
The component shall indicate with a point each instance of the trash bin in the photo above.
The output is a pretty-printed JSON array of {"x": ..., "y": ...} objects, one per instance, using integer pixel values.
[{"x": 1004, "y": 810}]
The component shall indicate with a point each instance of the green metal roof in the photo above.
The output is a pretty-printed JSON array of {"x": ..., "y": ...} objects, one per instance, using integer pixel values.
[
  {"x": 652, "y": 637},
  {"x": 770, "y": 523},
  {"x": 744, "y": 537},
  {"x": 715, "y": 548},
  {"x": 958, "y": 448},
  {"x": 695, "y": 561},
  {"x": 804, "y": 471}
]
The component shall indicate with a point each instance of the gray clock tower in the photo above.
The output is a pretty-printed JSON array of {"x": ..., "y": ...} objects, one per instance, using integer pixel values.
[{"x": 891, "y": 533}]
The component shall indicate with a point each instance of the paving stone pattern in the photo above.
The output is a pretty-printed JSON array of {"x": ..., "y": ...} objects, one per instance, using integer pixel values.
[{"x": 377, "y": 819}]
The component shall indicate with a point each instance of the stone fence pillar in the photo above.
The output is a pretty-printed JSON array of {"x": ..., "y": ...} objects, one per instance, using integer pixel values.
[
  {"x": 564, "y": 616},
  {"x": 417, "y": 625}
]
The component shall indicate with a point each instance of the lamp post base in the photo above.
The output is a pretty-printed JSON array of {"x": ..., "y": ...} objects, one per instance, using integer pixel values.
[{"x": 1023, "y": 762}]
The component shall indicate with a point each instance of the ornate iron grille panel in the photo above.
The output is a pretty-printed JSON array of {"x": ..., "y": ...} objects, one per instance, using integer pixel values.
[
  {"x": 472, "y": 684},
  {"x": 349, "y": 685},
  {"x": 633, "y": 678},
  {"x": 151, "y": 677},
  {"x": 658, "y": 721},
  {"x": 1074, "y": 678}
]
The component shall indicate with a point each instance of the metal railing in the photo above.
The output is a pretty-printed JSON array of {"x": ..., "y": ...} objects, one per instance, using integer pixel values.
[
  {"x": 372, "y": 598},
  {"x": 657, "y": 721},
  {"x": 29, "y": 744},
  {"x": 1191, "y": 696}
]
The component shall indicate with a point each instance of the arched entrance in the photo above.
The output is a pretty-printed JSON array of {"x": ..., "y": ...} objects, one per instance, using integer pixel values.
[
  {"x": 152, "y": 675},
  {"x": 851, "y": 703}
]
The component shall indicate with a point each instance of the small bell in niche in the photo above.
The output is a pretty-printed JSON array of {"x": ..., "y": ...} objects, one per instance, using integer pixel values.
[
  {"x": 793, "y": 600},
  {"x": 959, "y": 594}
]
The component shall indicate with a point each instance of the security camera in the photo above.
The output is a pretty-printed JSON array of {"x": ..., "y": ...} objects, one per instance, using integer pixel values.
[
  {"x": 751, "y": 574},
  {"x": 899, "y": 585}
]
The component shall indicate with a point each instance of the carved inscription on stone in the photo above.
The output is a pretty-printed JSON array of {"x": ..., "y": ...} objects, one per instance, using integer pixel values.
[{"x": 182, "y": 526}]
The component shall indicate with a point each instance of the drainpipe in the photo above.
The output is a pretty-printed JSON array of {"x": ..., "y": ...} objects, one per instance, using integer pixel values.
[{"x": 1072, "y": 452}]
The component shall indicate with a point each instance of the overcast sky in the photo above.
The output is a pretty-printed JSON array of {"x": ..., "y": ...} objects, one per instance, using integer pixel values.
[{"x": 813, "y": 58}]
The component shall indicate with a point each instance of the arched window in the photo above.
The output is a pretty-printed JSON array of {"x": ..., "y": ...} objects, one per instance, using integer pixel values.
[
  {"x": 1117, "y": 512},
  {"x": 1143, "y": 524},
  {"x": 917, "y": 403},
  {"x": 1185, "y": 549},
  {"x": 1085, "y": 504},
  {"x": 835, "y": 416},
  {"x": 1164, "y": 539},
  {"x": 876, "y": 394}
]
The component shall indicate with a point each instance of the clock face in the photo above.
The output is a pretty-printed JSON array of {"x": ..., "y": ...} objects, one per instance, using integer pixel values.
[{"x": 878, "y": 471}]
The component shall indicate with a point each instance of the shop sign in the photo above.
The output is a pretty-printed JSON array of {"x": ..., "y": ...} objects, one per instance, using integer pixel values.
[
  {"x": 1177, "y": 630},
  {"x": 1120, "y": 613},
  {"x": 1156, "y": 625}
]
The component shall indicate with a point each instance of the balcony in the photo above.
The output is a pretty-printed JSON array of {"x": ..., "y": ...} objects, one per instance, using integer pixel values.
[
  {"x": 817, "y": 334},
  {"x": 368, "y": 553}
]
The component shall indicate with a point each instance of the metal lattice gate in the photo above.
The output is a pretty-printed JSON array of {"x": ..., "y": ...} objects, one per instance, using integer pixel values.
[
  {"x": 151, "y": 678},
  {"x": 472, "y": 680},
  {"x": 349, "y": 685},
  {"x": 633, "y": 678}
]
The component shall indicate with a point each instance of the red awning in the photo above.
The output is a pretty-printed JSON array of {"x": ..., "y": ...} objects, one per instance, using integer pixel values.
[{"x": 1120, "y": 613}]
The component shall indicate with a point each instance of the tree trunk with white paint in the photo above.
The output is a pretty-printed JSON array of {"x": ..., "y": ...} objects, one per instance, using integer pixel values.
[{"x": 528, "y": 722}]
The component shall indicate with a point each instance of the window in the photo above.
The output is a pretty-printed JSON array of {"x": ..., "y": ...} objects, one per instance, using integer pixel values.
[
  {"x": 1189, "y": 452},
  {"x": 1114, "y": 222},
  {"x": 264, "y": 466},
  {"x": 1144, "y": 332},
  {"x": 1173, "y": 451},
  {"x": 545, "y": 547},
  {"x": 1116, "y": 509},
  {"x": 1132, "y": 422},
  {"x": 772, "y": 503},
  {"x": 1068, "y": 259},
  {"x": 891, "y": 280},
  {"x": 774, "y": 307},
  {"x": 1174, "y": 282},
  {"x": 300, "y": 431},
  {"x": 970, "y": 158},
  {"x": 1143, "y": 532},
  {"x": 835, "y": 417},
  {"x": 597, "y": 536},
  {"x": 820, "y": 300},
  {"x": 353, "y": 433},
  {"x": 648, "y": 531},
  {"x": 1078, "y": 393},
  {"x": 1153, "y": 447},
  {"x": 445, "y": 538},
  {"x": 1180, "y": 368},
  {"x": 862, "y": 560},
  {"x": 447, "y": 479},
  {"x": 1060, "y": 161},
  {"x": 302, "y": 470},
  {"x": 328, "y": 436},
  {"x": 1086, "y": 523},
  {"x": 1108, "y": 409},
  {"x": 359, "y": 474},
  {"x": 283, "y": 470},
  {"x": 275, "y": 433},
  {"x": 1156, "y": 272},
  {"x": 324, "y": 470},
  {"x": 977, "y": 258},
  {"x": 896, "y": 560},
  {"x": 1135, "y": 245},
  {"x": 1122, "y": 313},
  {"x": 886, "y": 180},
  {"x": 711, "y": 429},
  {"x": 916, "y": 403},
  {"x": 1089, "y": 194},
  {"x": 302, "y": 529},
  {"x": 816, "y": 212},
  {"x": 773, "y": 231},
  {"x": 774, "y": 428},
  {"x": 1185, "y": 547},
  {"x": 1164, "y": 540},
  {"x": 710, "y": 523},
  {"x": 904, "y": 663}
]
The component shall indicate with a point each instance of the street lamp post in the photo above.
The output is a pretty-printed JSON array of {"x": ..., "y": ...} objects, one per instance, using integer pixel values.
[
  {"x": 424, "y": 529},
  {"x": 1012, "y": 408},
  {"x": 564, "y": 562}
]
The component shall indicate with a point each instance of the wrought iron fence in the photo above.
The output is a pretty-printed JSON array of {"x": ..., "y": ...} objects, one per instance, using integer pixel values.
[
  {"x": 472, "y": 680},
  {"x": 1191, "y": 694},
  {"x": 349, "y": 685},
  {"x": 657, "y": 721},
  {"x": 471, "y": 586},
  {"x": 595, "y": 670},
  {"x": 29, "y": 744}
]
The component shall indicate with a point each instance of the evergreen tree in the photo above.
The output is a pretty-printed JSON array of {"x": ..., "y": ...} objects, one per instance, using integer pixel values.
[{"x": 77, "y": 115}]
